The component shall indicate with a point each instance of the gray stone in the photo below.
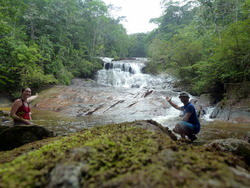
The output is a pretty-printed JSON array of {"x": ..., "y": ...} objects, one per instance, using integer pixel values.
[{"x": 67, "y": 175}]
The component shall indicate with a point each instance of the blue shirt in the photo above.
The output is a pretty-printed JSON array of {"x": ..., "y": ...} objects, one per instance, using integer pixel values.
[{"x": 193, "y": 119}]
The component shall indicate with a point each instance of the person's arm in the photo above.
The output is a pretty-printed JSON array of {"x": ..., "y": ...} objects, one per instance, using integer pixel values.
[
  {"x": 169, "y": 99},
  {"x": 13, "y": 111},
  {"x": 189, "y": 111},
  {"x": 31, "y": 98},
  {"x": 186, "y": 117}
]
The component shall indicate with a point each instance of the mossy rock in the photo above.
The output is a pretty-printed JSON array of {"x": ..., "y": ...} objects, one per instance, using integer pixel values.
[
  {"x": 120, "y": 155},
  {"x": 235, "y": 146}
]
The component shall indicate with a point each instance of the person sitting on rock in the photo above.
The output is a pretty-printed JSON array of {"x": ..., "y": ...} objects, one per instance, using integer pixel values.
[
  {"x": 20, "y": 110},
  {"x": 189, "y": 124}
]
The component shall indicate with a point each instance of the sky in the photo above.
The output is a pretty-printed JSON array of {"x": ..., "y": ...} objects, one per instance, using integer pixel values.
[{"x": 137, "y": 13}]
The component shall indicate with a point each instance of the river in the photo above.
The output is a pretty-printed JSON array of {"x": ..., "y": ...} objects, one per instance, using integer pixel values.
[{"x": 120, "y": 93}]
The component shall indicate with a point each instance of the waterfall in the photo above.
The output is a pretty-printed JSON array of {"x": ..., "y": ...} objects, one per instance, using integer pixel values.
[{"x": 127, "y": 73}]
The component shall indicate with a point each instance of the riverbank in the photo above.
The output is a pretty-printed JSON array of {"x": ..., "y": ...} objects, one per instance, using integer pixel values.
[{"x": 233, "y": 108}]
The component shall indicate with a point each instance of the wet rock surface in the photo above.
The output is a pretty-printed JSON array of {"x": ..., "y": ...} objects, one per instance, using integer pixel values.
[
  {"x": 232, "y": 113},
  {"x": 89, "y": 104},
  {"x": 87, "y": 98}
]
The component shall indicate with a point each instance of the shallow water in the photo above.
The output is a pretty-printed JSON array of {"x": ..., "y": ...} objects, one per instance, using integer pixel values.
[
  {"x": 221, "y": 130},
  {"x": 61, "y": 124},
  {"x": 211, "y": 129}
]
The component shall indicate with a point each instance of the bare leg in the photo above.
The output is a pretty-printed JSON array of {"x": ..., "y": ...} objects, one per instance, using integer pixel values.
[{"x": 179, "y": 130}]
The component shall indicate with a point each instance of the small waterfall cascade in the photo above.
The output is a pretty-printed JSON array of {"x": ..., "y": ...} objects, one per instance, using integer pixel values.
[
  {"x": 208, "y": 111},
  {"x": 127, "y": 73}
]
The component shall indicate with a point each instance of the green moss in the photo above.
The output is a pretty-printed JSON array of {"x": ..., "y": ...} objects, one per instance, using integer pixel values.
[{"x": 121, "y": 156}]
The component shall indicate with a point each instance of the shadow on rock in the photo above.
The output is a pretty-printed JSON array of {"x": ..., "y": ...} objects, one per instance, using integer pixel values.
[{"x": 16, "y": 136}]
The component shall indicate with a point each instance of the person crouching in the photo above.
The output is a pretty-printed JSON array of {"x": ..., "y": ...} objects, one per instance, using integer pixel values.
[{"x": 189, "y": 125}]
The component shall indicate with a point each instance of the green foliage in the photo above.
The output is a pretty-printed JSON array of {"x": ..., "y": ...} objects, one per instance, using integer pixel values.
[
  {"x": 230, "y": 60},
  {"x": 60, "y": 71},
  {"x": 137, "y": 46},
  {"x": 206, "y": 44},
  {"x": 20, "y": 66},
  {"x": 52, "y": 41},
  {"x": 233, "y": 53},
  {"x": 156, "y": 52}
]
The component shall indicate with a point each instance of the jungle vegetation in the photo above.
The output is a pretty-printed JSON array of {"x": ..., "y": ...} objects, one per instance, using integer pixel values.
[
  {"x": 51, "y": 41},
  {"x": 204, "y": 43}
]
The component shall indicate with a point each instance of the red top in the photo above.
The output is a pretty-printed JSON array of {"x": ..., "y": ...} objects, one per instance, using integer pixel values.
[{"x": 24, "y": 111}]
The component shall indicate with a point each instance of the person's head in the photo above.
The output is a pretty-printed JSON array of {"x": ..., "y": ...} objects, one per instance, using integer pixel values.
[
  {"x": 26, "y": 92},
  {"x": 184, "y": 97}
]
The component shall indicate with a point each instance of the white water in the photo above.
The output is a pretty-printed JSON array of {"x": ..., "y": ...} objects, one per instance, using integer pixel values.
[
  {"x": 128, "y": 74},
  {"x": 209, "y": 111},
  {"x": 169, "y": 120}
]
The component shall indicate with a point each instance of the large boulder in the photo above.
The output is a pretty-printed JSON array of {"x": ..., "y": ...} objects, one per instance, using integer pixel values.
[
  {"x": 235, "y": 146},
  {"x": 235, "y": 105},
  {"x": 153, "y": 126},
  {"x": 14, "y": 136}
]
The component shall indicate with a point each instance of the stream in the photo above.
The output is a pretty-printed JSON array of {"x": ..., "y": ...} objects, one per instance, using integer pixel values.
[{"x": 120, "y": 93}]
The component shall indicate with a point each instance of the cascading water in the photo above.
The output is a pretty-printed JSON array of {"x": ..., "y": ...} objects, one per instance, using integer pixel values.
[{"x": 127, "y": 73}]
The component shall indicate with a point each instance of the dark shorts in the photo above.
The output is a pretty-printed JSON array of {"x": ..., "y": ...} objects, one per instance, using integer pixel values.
[{"x": 188, "y": 127}]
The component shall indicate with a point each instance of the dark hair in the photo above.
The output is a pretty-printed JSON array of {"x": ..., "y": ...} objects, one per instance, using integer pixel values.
[{"x": 23, "y": 89}]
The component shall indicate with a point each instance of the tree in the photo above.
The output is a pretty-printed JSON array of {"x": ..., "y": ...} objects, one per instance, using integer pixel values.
[
  {"x": 138, "y": 45},
  {"x": 49, "y": 41},
  {"x": 206, "y": 44}
]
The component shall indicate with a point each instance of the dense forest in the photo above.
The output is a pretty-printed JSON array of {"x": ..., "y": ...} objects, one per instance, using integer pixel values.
[
  {"x": 204, "y": 43},
  {"x": 51, "y": 41}
]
